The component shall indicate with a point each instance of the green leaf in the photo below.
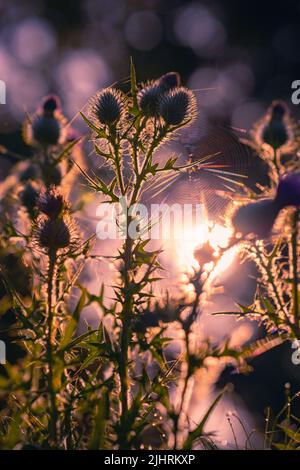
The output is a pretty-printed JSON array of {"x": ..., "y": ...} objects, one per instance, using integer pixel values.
[
  {"x": 133, "y": 82},
  {"x": 102, "y": 414},
  {"x": 71, "y": 328},
  {"x": 100, "y": 132},
  {"x": 199, "y": 431},
  {"x": 68, "y": 149}
]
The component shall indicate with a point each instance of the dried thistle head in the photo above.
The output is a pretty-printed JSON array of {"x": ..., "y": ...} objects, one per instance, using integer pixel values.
[{"x": 47, "y": 126}]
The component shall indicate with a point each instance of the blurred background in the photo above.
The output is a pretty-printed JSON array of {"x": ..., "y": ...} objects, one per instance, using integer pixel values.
[
  {"x": 240, "y": 55},
  {"x": 237, "y": 56}
]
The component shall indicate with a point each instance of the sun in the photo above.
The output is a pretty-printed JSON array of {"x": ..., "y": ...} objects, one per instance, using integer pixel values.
[{"x": 192, "y": 237}]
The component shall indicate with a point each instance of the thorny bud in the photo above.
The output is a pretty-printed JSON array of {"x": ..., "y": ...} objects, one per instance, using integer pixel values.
[
  {"x": 275, "y": 132},
  {"x": 53, "y": 234},
  {"x": 149, "y": 99},
  {"x": 51, "y": 103},
  {"x": 108, "y": 106},
  {"x": 51, "y": 203},
  {"x": 178, "y": 106},
  {"x": 169, "y": 81},
  {"x": 46, "y": 126}
]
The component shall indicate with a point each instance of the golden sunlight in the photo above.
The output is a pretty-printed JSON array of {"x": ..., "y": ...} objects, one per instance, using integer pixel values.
[{"x": 189, "y": 238}]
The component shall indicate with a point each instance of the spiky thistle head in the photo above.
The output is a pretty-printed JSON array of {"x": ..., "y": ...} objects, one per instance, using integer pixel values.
[
  {"x": 54, "y": 228},
  {"x": 53, "y": 234},
  {"x": 169, "y": 81},
  {"x": 178, "y": 106},
  {"x": 149, "y": 98},
  {"x": 51, "y": 103},
  {"x": 56, "y": 234},
  {"x": 52, "y": 203},
  {"x": 47, "y": 126},
  {"x": 275, "y": 133},
  {"x": 107, "y": 107}
]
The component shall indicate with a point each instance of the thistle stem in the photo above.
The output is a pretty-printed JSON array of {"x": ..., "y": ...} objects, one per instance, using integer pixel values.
[
  {"x": 125, "y": 339},
  {"x": 51, "y": 390},
  {"x": 189, "y": 372},
  {"x": 277, "y": 162},
  {"x": 294, "y": 250}
]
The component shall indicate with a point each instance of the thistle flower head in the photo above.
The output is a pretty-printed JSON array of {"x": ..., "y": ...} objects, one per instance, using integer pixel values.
[
  {"x": 56, "y": 234},
  {"x": 47, "y": 126},
  {"x": 275, "y": 132},
  {"x": 53, "y": 234},
  {"x": 149, "y": 98},
  {"x": 54, "y": 229},
  {"x": 278, "y": 109},
  {"x": 288, "y": 191},
  {"x": 178, "y": 106},
  {"x": 51, "y": 103},
  {"x": 169, "y": 81},
  {"x": 51, "y": 203},
  {"x": 107, "y": 106},
  {"x": 256, "y": 217}
]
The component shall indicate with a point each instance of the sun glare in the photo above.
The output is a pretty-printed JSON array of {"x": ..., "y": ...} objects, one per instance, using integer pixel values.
[{"x": 190, "y": 238}]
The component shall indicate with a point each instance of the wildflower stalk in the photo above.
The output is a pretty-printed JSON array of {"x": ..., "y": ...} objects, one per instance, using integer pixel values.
[
  {"x": 51, "y": 390},
  {"x": 125, "y": 339},
  {"x": 272, "y": 283},
  {"x": 137, "y": 123},
  {"x": 128, "y": 298},
  {"x": 294, "y": 252},
  {"x": 117, "y": 161},
  {"x": 277, "y": 163},
  {"x": 189, "y": 373},
  {"x": 183, "y": 399},
  {"x": 127, "y": 258}
]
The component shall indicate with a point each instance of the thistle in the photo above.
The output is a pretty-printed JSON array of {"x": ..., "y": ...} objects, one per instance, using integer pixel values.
[
  {"x": 178, "y": 107},
  {"x": 107, "y": 107},
  {"x": 53, "y": 234},
  {"x": 52, "y": 203},
  {"x": 54, "y": 229},
  {"x": 275, "y": 132},
  {"x": 46, "y": 127},
  {"x": 169, "y": 81},
  {"x": 149, "y": 99}
]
